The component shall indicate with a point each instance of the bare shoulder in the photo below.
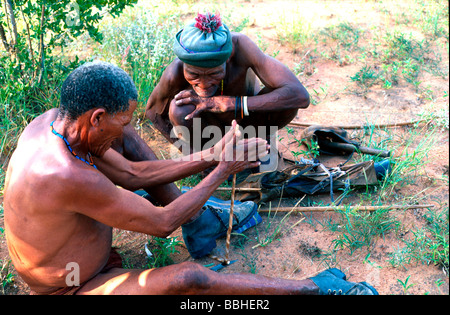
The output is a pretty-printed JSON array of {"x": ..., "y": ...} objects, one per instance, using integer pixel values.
[
  {"x": 171, "y": 82},
  {"x": 245, "y": 51},
  {"x": 43, "y": 119},
  {"x": 240, "y": 38},
  {"x": 42, "y": 169},
  {"x": 173, "y": 74},
  {"x": 38, "y": 124}
]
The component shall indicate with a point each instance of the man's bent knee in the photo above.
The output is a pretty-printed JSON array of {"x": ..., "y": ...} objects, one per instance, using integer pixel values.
[
  {"x": 191, "y": 278},
  {"x": 177, "y": 114}
]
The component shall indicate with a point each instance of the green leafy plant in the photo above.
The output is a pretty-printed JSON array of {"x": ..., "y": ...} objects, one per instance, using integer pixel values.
[
  {"x": 138, "y": 42},
  {"x": 360, "y": 229},
  {"x": 6, "y": 277},
  {"x": 429, "y": 245},
  {"x": 162, "y": 249},
  {"x": 405, "y": 285},
  {"x": 366, "y": 77},
  {"x": 30, "y": 29}
]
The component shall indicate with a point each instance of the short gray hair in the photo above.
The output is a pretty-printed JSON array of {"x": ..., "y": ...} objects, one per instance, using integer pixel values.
[{"x": 96, "y": 85}]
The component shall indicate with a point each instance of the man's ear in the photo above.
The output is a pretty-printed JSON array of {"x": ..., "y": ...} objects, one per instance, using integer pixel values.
[{"x": 97, "y": 116}]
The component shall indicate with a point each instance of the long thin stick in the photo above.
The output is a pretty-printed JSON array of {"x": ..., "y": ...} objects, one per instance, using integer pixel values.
[
  {"x": 299, "y": 124},
  {"x": 238, "y": 189},
  {"x": 343, "y": 208},
  {"x": 230, "y": 222}
]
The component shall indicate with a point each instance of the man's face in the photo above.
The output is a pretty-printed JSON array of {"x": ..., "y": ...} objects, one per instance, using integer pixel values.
[
  {"x": 111, "y": 129},
  {"x": 204, "y": 81}
]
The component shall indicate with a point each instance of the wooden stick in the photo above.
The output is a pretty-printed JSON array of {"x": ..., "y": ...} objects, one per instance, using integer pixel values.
[
  {"x": 343, "y": 208},
  {"x": 230, "y": 222},
  {"x": 219, "y": 259},
  {"x": 299, "y": 124},
  {"x": 238, "y": 189}
]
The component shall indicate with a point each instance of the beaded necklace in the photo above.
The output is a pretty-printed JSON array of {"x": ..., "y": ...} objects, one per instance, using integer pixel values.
[{"x": 91, "y": 163}]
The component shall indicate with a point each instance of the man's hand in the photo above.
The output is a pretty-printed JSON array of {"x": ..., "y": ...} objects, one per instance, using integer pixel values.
[
  {"x": 189, "y": 97},
  {"x": 238, "y": 154}
]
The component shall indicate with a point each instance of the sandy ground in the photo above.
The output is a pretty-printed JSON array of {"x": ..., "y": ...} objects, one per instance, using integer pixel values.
[{"x": 305, "y": 245}]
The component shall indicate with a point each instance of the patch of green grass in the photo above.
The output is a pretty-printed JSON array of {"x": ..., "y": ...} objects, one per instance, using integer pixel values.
[
  {"x": 409, "y": 150},
  {"x": 409, "y": 159},
  {"x": 432, "y": 18},
  {"x": 162, "y": 249},
  {"x": 405, "y": 57},
  {"x": 6, "y": 277},
  {"x": 293, "y": 30},
  {"x": 366, "y": 77},
  {"x": 428, "y": 244},
  {"x": 340, "y": 40},
  {"x": 139, "y": 42},
  {"x": 361, "y": 229},
  {"x": 272, "y": 230},
  {"x": 190, "y": 181}
]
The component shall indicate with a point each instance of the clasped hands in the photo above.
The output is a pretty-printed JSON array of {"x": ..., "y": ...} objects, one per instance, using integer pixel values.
[{"x": 202, "y": 104}]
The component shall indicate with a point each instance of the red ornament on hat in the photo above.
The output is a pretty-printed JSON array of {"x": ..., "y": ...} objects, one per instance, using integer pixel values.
[{"x": 208, "y": 23}]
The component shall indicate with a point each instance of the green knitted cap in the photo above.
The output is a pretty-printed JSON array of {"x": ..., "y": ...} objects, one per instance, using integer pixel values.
[{"x": 205, "y": 43}]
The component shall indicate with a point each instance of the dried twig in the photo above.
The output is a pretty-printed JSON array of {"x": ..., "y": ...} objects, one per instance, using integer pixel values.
[
  {"x": 299, "y": 124},
  {"x": 343, "y": 208},
  {"x": 230, "y": 222}
]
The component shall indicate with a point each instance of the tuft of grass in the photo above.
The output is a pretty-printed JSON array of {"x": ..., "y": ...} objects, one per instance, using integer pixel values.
[
  {"x": 428, "y": 245},
  {"x": 409, "y": 159},
  {"x": 6, "y": 277},
  {"x": 409, "y": 147},
  {"x": 361, "y": 229},
  {"x": 162, "y": 249},
  {"x": 293, "y": 30},
  {"x": 340, "y": 40},
  {"x": 366, "y": 77},
  {"x": 140, "y": 43}
]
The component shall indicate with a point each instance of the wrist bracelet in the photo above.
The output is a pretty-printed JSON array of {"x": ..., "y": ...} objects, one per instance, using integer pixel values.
[
  {"x": 237, "y": 106},
  {"x": 245, "y": 106}
]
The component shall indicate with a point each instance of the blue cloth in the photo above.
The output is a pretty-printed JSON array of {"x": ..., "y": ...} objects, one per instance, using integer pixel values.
[
  {"x": 217, "y": 202},
  {"x": 200, "y": 235}
]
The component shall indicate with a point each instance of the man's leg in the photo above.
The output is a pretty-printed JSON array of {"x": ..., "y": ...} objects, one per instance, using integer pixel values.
[
  {"x": 191, "y": 278},
  {"x": 134, "y": 148},
  {"x": 194, "y": 132}
]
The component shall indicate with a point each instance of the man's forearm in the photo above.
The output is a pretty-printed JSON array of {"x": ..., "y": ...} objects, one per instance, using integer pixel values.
[
  {"x": 182, "y": 209},
  {"x": 283, "y": 98},
  {"x": 133, "y": 165},
  {"x": 159, "y": 172}
]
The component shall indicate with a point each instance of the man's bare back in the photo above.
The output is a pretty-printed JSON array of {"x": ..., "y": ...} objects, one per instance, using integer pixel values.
[
  {"x": 59, "y": 210},
  {"x": 42, "y": 175}
]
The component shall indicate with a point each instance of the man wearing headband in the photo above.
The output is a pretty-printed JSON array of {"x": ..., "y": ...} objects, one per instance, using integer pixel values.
[{"x": 214, "y": 79}]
